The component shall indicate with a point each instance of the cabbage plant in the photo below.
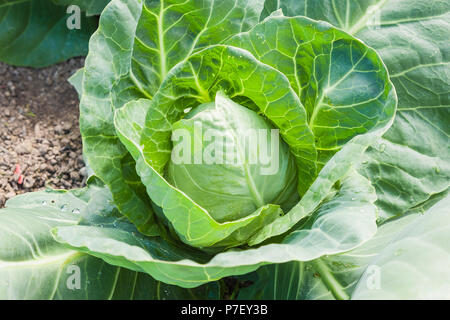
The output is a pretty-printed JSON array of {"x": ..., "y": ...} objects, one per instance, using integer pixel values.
[{"x": 247, "y": 139}]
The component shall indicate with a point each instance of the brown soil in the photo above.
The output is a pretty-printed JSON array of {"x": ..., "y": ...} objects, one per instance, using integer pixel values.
[{"x": 40, "y": 143}]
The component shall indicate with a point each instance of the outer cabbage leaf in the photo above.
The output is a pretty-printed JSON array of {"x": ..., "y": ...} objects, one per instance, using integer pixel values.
[
  {"x": 332, "y": 230},
  {"x": 340, "y": 81},
  {"x": 329, "y": 277},
  {"x": 411, "y": 162},
  {"x": 76, "y": 80},
  {"x": 34, "y": 266},
  {"x": 402, "y": 244},
  {"x": 415, "y": 264},
  {"x": 35, "y": 34},
  {"x": 335, "y": 170},
  {"x": 169, "y": 31},
  {"x": 102, "y": 149}
]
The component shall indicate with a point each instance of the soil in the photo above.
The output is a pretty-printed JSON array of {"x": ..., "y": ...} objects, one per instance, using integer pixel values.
[{"x": 40, "y": 142}]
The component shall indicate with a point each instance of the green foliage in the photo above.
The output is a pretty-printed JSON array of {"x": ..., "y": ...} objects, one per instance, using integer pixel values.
[
  {"x": 404, "y": 260},
  {"x": 361, "y": 196},
  {"x": 411, "y": 37},
  {"x": 34, "y": 33},
  {"x": 123, "y": 86},
  {"x": 34, "y": 266}
]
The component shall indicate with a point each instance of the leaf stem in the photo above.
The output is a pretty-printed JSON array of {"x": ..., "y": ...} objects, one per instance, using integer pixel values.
[{"x": 330, "y": 281}]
